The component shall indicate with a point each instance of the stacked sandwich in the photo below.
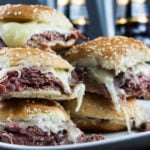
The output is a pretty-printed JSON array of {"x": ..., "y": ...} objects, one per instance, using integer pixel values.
[
  {"x": 115, "y": 73},
  {"x": 32, "y": 81}
]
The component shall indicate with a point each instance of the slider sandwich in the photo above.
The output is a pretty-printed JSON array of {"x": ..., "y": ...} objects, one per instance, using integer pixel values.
[
  {"x": 113, "y": 67},
  {"x": 32, "y": 73},
  {"x": 98, "y": 114},
  {"x": 29, "y": 122},
  {"x": 35, "y": 26}
]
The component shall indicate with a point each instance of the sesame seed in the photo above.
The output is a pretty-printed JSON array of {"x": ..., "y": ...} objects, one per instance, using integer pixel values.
[
  {"x": 35, "y": 110},
  {"x": 15, "y": 13},
  {"x": 41, "y": 54},
  {"x": 19, "y": 12},
  {"x": 8, "y": 13},
  {"x": 8, "y": 119},
  {"x": 17, "y": 55},
  {"x": 35, "y": 10},
  {"x": 29, "y": 53}
]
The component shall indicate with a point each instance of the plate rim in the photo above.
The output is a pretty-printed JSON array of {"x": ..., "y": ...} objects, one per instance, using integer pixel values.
[{"x": 79, "y": 145}]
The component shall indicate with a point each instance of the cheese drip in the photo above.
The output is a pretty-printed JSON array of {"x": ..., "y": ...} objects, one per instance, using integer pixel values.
[
  {"x": 106, "y": 77},
  {"x": 16, "y": 34},
  {"x": 128, "y": 125}
]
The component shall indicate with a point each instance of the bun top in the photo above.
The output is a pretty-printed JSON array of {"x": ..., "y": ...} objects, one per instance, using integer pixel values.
[
  {"x": 12, "y": 57},
  {"x": 38, "y": 13},
  {"x": 24, "y": 109},
  {"x": 114, "y": 53}
]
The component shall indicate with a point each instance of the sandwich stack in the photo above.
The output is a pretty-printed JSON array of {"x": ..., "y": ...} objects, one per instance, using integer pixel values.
[
  {"x": 33, "y": 81},
  {"x": 115, "y": 74}
]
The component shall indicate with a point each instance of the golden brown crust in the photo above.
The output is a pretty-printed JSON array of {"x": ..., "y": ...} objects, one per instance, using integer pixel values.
[
  {"x": 18, "y": 56},
  {"x": 39, "y": 13},
  {"x": 24, "y": 108},
  {"x": 114, "y": 53},
  {"x": 98, "y": 113},
  {"x": 103, "y": 108},
  {"x": 96, "y": 125}
]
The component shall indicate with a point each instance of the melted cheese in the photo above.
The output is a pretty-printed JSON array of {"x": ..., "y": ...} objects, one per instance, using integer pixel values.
[
  {"x": 144, "y": 68},
  {"x": 4, "y": 62},
  {"x": 128, "y": 125},
  {"x": 106, "y": 77},
  {"x": 140, "y": 117},
  {"x": 78, "y": 93},
  {"x": 64, "y": 77},
  {"x": 16, "y": 34}
]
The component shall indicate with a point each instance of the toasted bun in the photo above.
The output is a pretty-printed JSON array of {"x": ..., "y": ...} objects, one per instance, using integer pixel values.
[
  {"x": 12, "y": 57},
  {"x": 113, "y": 53},
  {"x": 23, "y": 109},
  {"x": 39, "y": 13},
  {"x": 99, "y": 114},
  {"x": 48, "y": 116},
  {"x": 48, "y": 94}
]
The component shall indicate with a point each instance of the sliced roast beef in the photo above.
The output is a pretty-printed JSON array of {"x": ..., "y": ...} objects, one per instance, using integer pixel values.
[
  {"x": 30, "y": 78},
  {"x": 44, "y": 40},
  {"x": 33, "y": 135},
  {"x": 132, "y": 84}
]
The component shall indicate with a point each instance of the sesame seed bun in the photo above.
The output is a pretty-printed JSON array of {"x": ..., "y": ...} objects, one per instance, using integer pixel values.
[
  {"x": 29, "y": 56},
  {"x": 24, "y": 109},
  {"x": 39, "y": 13},
  {"x": 98, "y": 114},
  {"x": 116, "y": 53}
]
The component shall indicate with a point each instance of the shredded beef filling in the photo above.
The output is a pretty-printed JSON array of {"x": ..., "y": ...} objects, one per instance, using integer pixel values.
[
  {"x": 134, "y": 85},
  {"x": 44, "y": 40},
  {"x": 33, "y": 135},
  {"x": 30, "y": 78}
]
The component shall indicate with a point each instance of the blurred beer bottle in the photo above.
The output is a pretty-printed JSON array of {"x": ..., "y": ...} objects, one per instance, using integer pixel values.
[
  {"x": 79, "y": 15},
  {"x": 63, "y": 6},
  {"x": 132, "y": 19}
]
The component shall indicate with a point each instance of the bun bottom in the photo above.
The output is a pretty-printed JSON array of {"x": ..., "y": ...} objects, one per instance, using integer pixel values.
[
  {"x": 99, "y": 114},
  {"x": 95, "y": 125}
]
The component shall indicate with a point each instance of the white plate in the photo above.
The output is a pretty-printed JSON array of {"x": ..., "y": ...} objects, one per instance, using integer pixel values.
[{"x": 113, "y": 141}]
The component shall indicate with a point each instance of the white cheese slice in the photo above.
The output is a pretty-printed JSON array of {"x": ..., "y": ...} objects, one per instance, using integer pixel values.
[
  {"x": 107, "y": 77},
  {"x": 16, "y": 34},
  {"x": 128, "y": 125}
]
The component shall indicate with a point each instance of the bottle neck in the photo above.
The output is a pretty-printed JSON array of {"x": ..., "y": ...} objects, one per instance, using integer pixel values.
[
  {"x": 137, "y": 11},
  {"x": 132, "y": 11}
]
